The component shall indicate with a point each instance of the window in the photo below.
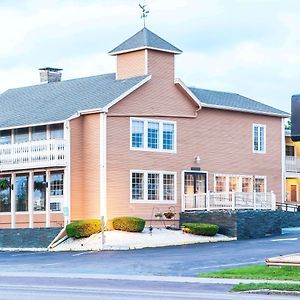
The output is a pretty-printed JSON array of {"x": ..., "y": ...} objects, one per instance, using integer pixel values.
[
  {"x": 5, "y": 199},
  {"x": 137, "y": 186},
  {"x": 39, "y": 133},
  {"x": 21, "y": 193},
  {"x": 239, "y": 183},
  {"x": 220, "y": 183},
  {"x": 289, "y": 150},
  {"x": 259, "y": 138},
  {"x": 150, "y": 186},
  {"x": 39, "y": 194},
  {"x": 57, "y": 183},
  {"x": 5, "y": 137},
  {"x": 153, "y": 135},
  {"x": 57, "y": 131},
  {"x": 21, "y": 135}
]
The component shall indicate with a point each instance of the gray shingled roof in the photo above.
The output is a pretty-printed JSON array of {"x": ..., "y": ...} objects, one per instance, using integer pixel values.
[
  {"x": 234, "y": 101},
  {"x": 58, "y": 101},
  {"x": 142, "y": 40}
]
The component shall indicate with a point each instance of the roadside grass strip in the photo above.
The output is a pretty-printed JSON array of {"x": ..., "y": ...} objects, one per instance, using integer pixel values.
[
  {"x": 257, "y": 272},
  {"x": 243, "y": 287}
]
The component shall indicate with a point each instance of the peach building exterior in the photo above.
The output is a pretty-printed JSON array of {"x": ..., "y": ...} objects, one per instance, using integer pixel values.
[{"x": 123, "y": 143}]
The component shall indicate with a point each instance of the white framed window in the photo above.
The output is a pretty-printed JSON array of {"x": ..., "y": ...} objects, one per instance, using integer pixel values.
[
  {"x": 259, "y": 138},
  {"x": 239, "y": 183},
  {"x": 290, "y": 150},
  {"x": 152, "y": 187},
  {"x": 152, "y": 135}
]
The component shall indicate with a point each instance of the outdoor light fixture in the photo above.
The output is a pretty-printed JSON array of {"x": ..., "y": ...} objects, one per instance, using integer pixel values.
[{"x": 197, "y": 159}]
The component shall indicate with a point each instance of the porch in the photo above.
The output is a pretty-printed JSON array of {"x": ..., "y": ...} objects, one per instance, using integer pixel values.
[
  {"x": 292, "y": 164},
  {"x": 229, "y": 201},
  {"x": 33, "y": 154}
]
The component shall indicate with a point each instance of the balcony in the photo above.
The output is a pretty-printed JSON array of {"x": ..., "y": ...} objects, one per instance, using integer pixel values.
[
  {"x": 35, "y": 154},
  {"x": 292, "y": 164}
]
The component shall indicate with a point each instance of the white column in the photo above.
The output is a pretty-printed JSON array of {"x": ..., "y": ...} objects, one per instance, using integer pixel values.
[
  {"x": 48, "y": 199},
  {"x": 283, "y": 162},
  {"x": 67, "y": 175},
  {"x": 208, "y": 200},
  {"x": 233, "y": 200},
  {"x": 30, "y": 198},
  {"x": 103, "y": 187},
  {"x": 13, "y": 201}
]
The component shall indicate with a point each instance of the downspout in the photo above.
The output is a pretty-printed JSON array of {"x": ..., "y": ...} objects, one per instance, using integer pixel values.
[{"x": 67, "y": 177}]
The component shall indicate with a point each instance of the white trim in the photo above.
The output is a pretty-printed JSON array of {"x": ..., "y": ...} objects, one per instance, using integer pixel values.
[
  {"x": 258, "y": 136},
  {"x": 13, "y": 201},
  {"x": 32, "y": 125},
  {"x": 31, "y": 198},
  {"x": 161, "y": 200},
  {"x": 160, "y": 135},
  {"x": 48, "y": 189},
  {"x": 142, "y": 48},
  {"x": 109, "y": 105},
  {"x": 244, "y": 110},
  {"x": 146, "y": 61},
  {"x": 188, "y": 91},
  {"x": 294, "y": 184},
  {"x": 283, "y": 163},
  {"x": 103, "y": 166}
]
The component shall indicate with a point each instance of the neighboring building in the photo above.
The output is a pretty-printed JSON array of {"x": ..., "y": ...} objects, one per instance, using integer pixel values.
[
  {"x": 292, "y": 151},
  {"x": 122, "y": 143}
]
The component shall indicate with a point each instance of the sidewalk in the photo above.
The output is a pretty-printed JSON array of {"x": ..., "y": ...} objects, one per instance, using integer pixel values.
[{"x": 140, "y": 278}]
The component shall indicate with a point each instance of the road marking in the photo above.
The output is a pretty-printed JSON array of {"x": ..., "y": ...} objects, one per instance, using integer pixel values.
[
  {"x": 82, "y": 253},
  {"x": 31, "y": 253},
  {"x": 288, "y": 239},
  {"x": 229, "y": 265}
]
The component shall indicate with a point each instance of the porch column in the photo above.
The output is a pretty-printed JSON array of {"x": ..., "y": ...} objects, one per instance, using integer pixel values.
[
  {"x": 48, "y": 199},
  {"x": 13, "y": 201},
  {"x": 30, "y": 198}
]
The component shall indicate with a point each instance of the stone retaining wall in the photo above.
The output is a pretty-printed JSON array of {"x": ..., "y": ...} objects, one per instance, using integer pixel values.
[
  {"x": 27, "y": 237},
  {"x": 245, "y": 224}
]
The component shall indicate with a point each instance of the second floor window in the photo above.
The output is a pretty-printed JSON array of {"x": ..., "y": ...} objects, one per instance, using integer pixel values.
[
  {"x": 259, "y": 138},
  {"x": 289, "y": 150},
  {"x": 153, "y": 135}
]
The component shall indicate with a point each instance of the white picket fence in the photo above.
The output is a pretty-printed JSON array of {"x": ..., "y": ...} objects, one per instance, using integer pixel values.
[
  {"x": 32, "y": 154},
  {"x": 230, "y": 201}
]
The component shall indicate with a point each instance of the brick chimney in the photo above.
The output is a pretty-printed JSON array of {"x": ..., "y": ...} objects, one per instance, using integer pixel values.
[{"x": 50, "y": 75}]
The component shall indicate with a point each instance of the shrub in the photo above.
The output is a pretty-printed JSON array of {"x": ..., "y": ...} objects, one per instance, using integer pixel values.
[
  {"x": 130, "y": 224},
  {"x": 84, "y": 228},
  {"x": 201, "y": 228}
]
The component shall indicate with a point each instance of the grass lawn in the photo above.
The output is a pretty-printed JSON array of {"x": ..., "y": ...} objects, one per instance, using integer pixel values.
[
  {"x": 258, "y": 272},
  {"x": 266, "y": 286}
]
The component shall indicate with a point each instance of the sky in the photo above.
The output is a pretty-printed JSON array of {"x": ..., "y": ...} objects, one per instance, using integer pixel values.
[{"x": 250, "y": 47}]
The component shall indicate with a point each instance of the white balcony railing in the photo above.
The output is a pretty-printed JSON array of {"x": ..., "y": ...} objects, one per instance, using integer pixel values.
[
  {"x": 230, "y": 200},
  {"x": 32, "y": 154},
  {"x": 292, "y": 164}
]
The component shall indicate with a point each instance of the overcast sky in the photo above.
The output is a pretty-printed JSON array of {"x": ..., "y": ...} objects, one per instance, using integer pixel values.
[{"x": 251, "y": 47}]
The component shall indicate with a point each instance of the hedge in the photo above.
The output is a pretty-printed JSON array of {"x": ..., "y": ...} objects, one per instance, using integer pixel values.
[
  {"x": 84, "y": 228},
  {"x": 130, "y": 224},
  {"x": 201, "y": 228}
]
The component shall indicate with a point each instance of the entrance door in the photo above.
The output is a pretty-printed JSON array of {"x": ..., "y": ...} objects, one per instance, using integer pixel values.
[
  {"x": 194, "y": 186},
  {"x": 194, "y": 183},
  {"x": 294, "y": 192}
]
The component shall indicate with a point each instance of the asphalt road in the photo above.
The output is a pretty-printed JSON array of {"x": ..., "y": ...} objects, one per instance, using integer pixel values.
[
  {"x": 167, "y": 261},
  {"x": 46, "y": 275}
]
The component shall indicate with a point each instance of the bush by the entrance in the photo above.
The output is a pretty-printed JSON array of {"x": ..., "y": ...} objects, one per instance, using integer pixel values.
[
  {"x": 84, "y": 228},
  {"x": 201, "y": 229},
  {"x": 130, "y": 224}
]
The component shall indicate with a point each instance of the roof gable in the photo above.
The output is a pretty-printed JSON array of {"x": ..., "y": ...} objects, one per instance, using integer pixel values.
[
  {"x": 145, "y": 39},
  {"x": 52, "y": 102}
]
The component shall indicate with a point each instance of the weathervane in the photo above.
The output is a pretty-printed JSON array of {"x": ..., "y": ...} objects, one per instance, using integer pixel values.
[{"x": 144, "y": 13}]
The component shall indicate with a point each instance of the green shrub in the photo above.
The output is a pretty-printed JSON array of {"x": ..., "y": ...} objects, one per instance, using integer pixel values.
[
  {"x": 130, "y": 224},
  {"x": 84, "y": 228},
  {"x": 201, "y": 228}
]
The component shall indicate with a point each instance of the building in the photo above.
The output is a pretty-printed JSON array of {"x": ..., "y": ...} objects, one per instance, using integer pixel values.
[{"x": 123, "y": 143}]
